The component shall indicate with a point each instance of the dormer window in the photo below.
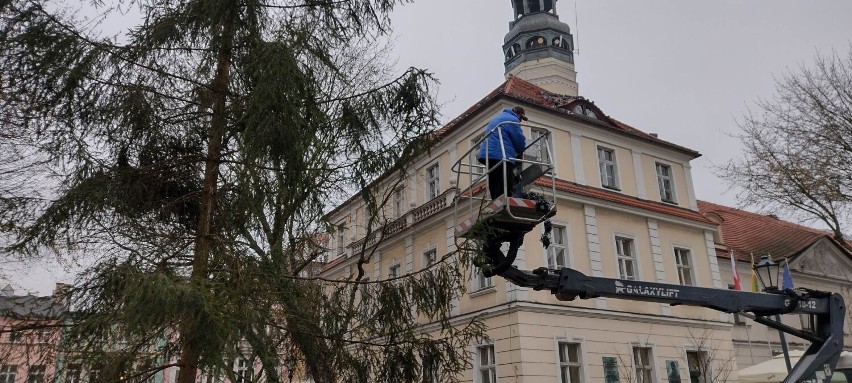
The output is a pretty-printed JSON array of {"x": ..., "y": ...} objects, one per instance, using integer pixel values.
[
  {"x": 536, "y": 42},
  {"x": 583, "y": 110}
]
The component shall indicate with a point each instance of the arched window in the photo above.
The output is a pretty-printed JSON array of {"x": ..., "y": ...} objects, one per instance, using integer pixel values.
[
  {"x": 534, "y": 6},
  {"x": 585, "y": 111},
  {"x": 513, "y": 50},
  {"x": 536, "y": 42},
  {"x": 548, "y": 5},
  {"x": 561, "y": 42}
]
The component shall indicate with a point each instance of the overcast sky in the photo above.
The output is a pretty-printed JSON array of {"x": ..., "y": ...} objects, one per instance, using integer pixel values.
[{"x": 683, "y": 69}]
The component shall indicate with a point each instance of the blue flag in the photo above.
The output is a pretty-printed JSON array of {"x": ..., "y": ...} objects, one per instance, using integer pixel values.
[{"x": 787, "y": 283}]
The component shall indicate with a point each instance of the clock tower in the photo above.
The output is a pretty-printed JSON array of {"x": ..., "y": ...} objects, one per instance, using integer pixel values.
[{"x": 539, "y": 48}]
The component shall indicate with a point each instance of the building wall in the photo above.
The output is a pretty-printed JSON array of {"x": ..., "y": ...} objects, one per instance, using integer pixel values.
[{"x": 525, "y": 336}]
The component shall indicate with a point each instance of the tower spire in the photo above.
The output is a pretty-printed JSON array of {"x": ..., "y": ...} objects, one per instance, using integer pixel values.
[{"x": 539, "y": 48}]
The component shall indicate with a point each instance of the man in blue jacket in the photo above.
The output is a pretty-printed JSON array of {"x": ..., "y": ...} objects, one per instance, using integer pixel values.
[{"x": 503, "y": 147}]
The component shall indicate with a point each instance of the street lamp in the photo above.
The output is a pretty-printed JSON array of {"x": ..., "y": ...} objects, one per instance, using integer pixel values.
[{"x": 767, "y": 272}]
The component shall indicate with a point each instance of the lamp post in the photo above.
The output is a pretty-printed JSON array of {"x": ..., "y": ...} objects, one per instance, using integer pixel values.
[{"x": 767, "y": 273}]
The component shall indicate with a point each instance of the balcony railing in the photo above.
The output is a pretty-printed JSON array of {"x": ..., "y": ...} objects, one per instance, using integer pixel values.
[{"x": 408, "y": 219}]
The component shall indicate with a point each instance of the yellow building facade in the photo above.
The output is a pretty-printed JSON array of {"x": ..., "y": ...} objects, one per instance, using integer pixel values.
[{"x": 626, "y": 209}]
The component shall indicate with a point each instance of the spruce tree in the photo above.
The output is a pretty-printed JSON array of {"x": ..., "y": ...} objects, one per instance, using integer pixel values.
[{"x": 191, "y": 160}]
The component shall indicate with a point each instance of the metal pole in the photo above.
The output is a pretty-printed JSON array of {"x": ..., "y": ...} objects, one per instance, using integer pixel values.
[{"x": 784, "y": 346}]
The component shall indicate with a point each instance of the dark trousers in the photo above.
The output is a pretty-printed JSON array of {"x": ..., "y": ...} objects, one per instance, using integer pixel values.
[{"x": 500, "y": 175}]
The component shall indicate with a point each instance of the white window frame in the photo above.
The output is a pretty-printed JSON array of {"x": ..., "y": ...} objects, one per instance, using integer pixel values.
[
  {"x": 538, "y": 153},
  {"x": 68, "y": 375},
  {"x": 399, "y": 202},
  {"x": 661, "y": 179},
  {"x": 16, "y": 336},
  {"x": 394, "y": 270},
  {"x": 430, "y": 257},
  {"x": 602, "y": 163},
  {"x": 476, "y": 169},
  {"x": 684, "y": 270},
  {"x": 705, "y": 361},
  {"x": 36, "y": 373},
  {"x": 480, "y": 282},
  {"x": 435, "y": 375},
  {"x": 562, "y": 365},
  {"x": 624, "y": 258},
  {"x": 433, "y": 181},
  {"x": 341, "y": 240},
  {"x": 95, "y": 372},
  {"x": 490, "y": 369},
  {"x": 558, "y": 242},
  {"x": 243, "y": 370},
  {"x": 650, "y": 367},
  {"x": 8, "y": 373}
]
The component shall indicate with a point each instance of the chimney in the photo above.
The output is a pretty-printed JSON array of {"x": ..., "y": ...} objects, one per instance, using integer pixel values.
[{"x": 655, "y": 135}]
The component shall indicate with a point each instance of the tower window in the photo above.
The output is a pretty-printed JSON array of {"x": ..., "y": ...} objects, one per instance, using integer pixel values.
[
  {"x": 561, "y": 42},
  {"x": 548, "y": 5},
  {"x": 535, "y": 6},
  {"x": 536, "y": 42},
  {"x": 519, "y": 7},
  {"x": 513, "y": 51}
]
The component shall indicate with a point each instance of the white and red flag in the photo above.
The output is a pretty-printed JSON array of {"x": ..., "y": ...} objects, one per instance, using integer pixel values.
[{"x": 734, "y": 271}]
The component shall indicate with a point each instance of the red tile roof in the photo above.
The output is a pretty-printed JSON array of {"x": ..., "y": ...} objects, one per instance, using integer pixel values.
[
  {"x": 751, "y": 233},
  {"x": 611, "y": 196},
  {"x": 524, "y": 91}
]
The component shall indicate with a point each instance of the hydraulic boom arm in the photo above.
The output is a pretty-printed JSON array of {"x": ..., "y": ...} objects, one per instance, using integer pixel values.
[{"x": 816, "y": 365}]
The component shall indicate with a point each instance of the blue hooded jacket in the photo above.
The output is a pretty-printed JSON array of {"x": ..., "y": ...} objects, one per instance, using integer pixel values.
[{"x": 514, "y": 141}]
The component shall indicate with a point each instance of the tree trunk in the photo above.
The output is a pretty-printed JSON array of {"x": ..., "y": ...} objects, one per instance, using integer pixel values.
[{"x": 190, "y": 334}]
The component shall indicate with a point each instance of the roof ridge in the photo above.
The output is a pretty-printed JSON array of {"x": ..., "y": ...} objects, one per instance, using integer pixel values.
[{"x": 764, "y": 217}]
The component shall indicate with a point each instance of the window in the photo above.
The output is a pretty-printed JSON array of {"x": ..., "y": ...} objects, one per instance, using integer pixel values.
[
  {"x": 430, "y": 257},
  {"x": 642, "y": 362},
  {"x": 570, "y": 367},
  {"x": 487, "y": 364},
  {"x": 684, "y": 266},
  {"x": 482, "y": 282},
  {"x": 476, "y": 168},
  {"x": 672, "y": 371},
  {"x": 543, "y": 148},
  {"x": 626, "y": 258},
  {"x": 36, "y": 374},
  {"x": 42, "y": 335},
  {"x": 536, "y": 42},
  {"x": 399, "y": 203},
  {"x": 431, "y": 371},
  {"x": 15, "y": 336},
  {"x": 609, "y": 173},
  {"x": 8, "y": 372},
  {"x": 664, "y": 182},
  {"x": 584, "y": 110},
  {"x": 95, "y": 373},
  {"x": 72, "y": 373},
  {"x": 393, "y": 271},
  {"x": 432, "y": 179},
  {"x": 557, "y": 253},
  {"x": 561, "y": 43},
  {"x": 244, "y": 371},
  {"x": 341, "y": 248},
  {"x": 698, "y": 367},
  {"x": 610, "y": 367}
]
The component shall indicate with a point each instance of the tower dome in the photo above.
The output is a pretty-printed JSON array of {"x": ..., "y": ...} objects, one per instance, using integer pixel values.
[{"x": 539, "y": 48}]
